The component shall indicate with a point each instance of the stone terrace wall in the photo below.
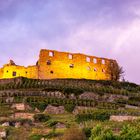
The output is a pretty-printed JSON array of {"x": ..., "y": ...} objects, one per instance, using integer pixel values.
[{"x": 8, "y": 81}]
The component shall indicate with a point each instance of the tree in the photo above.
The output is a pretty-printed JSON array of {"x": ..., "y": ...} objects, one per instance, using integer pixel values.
[{"x": 114, "y": 71}]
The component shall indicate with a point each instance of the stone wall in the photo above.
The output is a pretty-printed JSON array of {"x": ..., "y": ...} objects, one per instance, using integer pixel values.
[
  {"x": 59, "y": 65},
  {"x": 8, "y": 81},
  {"x": 21, "y": 71},
  {"x": 20, "y": 115},
  {"x": 123, "y": 118}
]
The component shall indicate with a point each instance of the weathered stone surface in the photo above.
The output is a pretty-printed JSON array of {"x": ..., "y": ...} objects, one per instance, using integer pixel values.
[
  {"x": 37, "y": 110},
  {"x": 131, "y": 107},
  {"x": 21, "y": 115},
  {"x": 10, "y": 100},
  {"x": 89, "y": 95},
  {"x": 18, "y": 106},
  {"x": 79, "y": 109},
  {"x": 54, "y": 109},
  {"x": 113, "y": 97},
  {"x": 3, "y": 134},
  {"x": 123, "y": 118},
  {"x": 6, "y": 124},
  {"x": 17, "y": 124},
  {"x": 60, "y": 125},
  {"x": 21, "y": 106}
]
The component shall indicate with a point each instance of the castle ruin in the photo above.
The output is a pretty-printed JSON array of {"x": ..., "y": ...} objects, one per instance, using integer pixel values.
[{"x": 54, "y": 65}]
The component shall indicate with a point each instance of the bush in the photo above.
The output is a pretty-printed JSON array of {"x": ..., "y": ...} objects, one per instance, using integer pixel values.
[
  {"x": 51, "y": 123},
  {"x": 101, "y": 115},
  {"x": 98, "y": 133},
  {"x": 39, "y": 105},
  {"x": 69, "y": 107},
  {"x": 74, "y": 133},
  {"x": 76, "y": 91},
  {"x": 87, "y": 132},
  {"x": 41, "y": 117},
  {"x": 127, "y": 133}
]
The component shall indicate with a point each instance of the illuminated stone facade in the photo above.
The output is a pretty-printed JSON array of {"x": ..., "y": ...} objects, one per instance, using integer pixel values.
[{"x": 53, "y": 64}]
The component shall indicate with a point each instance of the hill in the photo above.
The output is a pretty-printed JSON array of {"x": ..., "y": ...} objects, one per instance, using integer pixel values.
[{"x": 50, "y": 107}]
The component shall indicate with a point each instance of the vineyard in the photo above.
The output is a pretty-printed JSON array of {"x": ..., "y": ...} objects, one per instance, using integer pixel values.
[{"x": 83, "y": 100}]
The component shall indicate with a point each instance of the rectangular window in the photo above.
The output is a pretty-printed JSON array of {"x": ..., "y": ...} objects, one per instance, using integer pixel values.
[
  {"x": 88, "y": 59},
  {"x": 51, "y": 54},
  {"x": 103, "y": 61},
  {"x": 95, "y": 61},
  {"x": 14, "y": 73},
  {"x": 70, "y": 56}
]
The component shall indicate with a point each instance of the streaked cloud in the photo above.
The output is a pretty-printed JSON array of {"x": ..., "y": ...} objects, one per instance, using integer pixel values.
[{"x": 100, "y": 27}]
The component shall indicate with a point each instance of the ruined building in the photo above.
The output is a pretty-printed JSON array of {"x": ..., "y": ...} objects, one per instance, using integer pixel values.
[{"x": 53, "y": 64}]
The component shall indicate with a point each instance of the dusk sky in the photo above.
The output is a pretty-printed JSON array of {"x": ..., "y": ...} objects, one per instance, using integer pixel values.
[{"x": 106, "y": 28}]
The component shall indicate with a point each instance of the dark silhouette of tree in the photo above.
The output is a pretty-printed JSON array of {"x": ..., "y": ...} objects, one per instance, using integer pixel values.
[{"x": 114, "y": 71}]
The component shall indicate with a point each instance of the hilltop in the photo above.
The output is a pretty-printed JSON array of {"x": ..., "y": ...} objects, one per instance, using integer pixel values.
[{"x": 50, "y": 107}]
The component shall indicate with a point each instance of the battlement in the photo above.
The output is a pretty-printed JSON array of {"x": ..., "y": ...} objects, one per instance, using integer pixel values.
[{"x": 53, "y": 64}]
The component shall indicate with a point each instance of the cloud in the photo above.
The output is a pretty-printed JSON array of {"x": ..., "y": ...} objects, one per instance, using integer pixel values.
[{"x": 101, "y": 28}]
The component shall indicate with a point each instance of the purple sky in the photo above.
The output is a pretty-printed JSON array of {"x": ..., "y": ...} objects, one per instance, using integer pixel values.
[{"x": 107, "y": 28}]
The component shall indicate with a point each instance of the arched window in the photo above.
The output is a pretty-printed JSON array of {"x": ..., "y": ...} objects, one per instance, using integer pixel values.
[
  {"x": 88, "y": 68},
  {"x": 71, "y": 65},
  {"x": 95, "y": 69}
]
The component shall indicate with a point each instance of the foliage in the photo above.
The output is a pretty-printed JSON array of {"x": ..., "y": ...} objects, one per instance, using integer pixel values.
[
  {"x": 98, "y": 133},
  {"x": 130, "y": 133},
  {"x": 51, "y": 123},
  {"x": 76, "y": 91},
  {"x": 69, "y": 107},
  {"x": 74, "y": 133},
  {"x": 39, "y": 105},
  {"x": 87, "y": 132},
  {"x": 41, "y": 117},
  {"x": 127, "y": 133},
  {"x": 101, "y": 115},
  {"x": 115, "y": 71}
]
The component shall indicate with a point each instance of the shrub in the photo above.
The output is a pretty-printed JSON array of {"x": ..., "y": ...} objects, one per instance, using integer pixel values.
[
  {"x": 41, "y": 117},
  {"x": 74, "y": 133},
  {"x": 87, "y": 132},
  {"x": 99, "y": 133},
  {"x": 101, "y": 115},
  {"x": 127, "y": 133},
  {"x": 76, "y": 91},
  {"x": 51, "y": 123},
  {"x": 69, "y": 107}
]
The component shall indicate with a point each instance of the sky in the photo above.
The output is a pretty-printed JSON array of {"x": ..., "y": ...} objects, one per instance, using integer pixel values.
[{"x": 105, "y": 28}]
